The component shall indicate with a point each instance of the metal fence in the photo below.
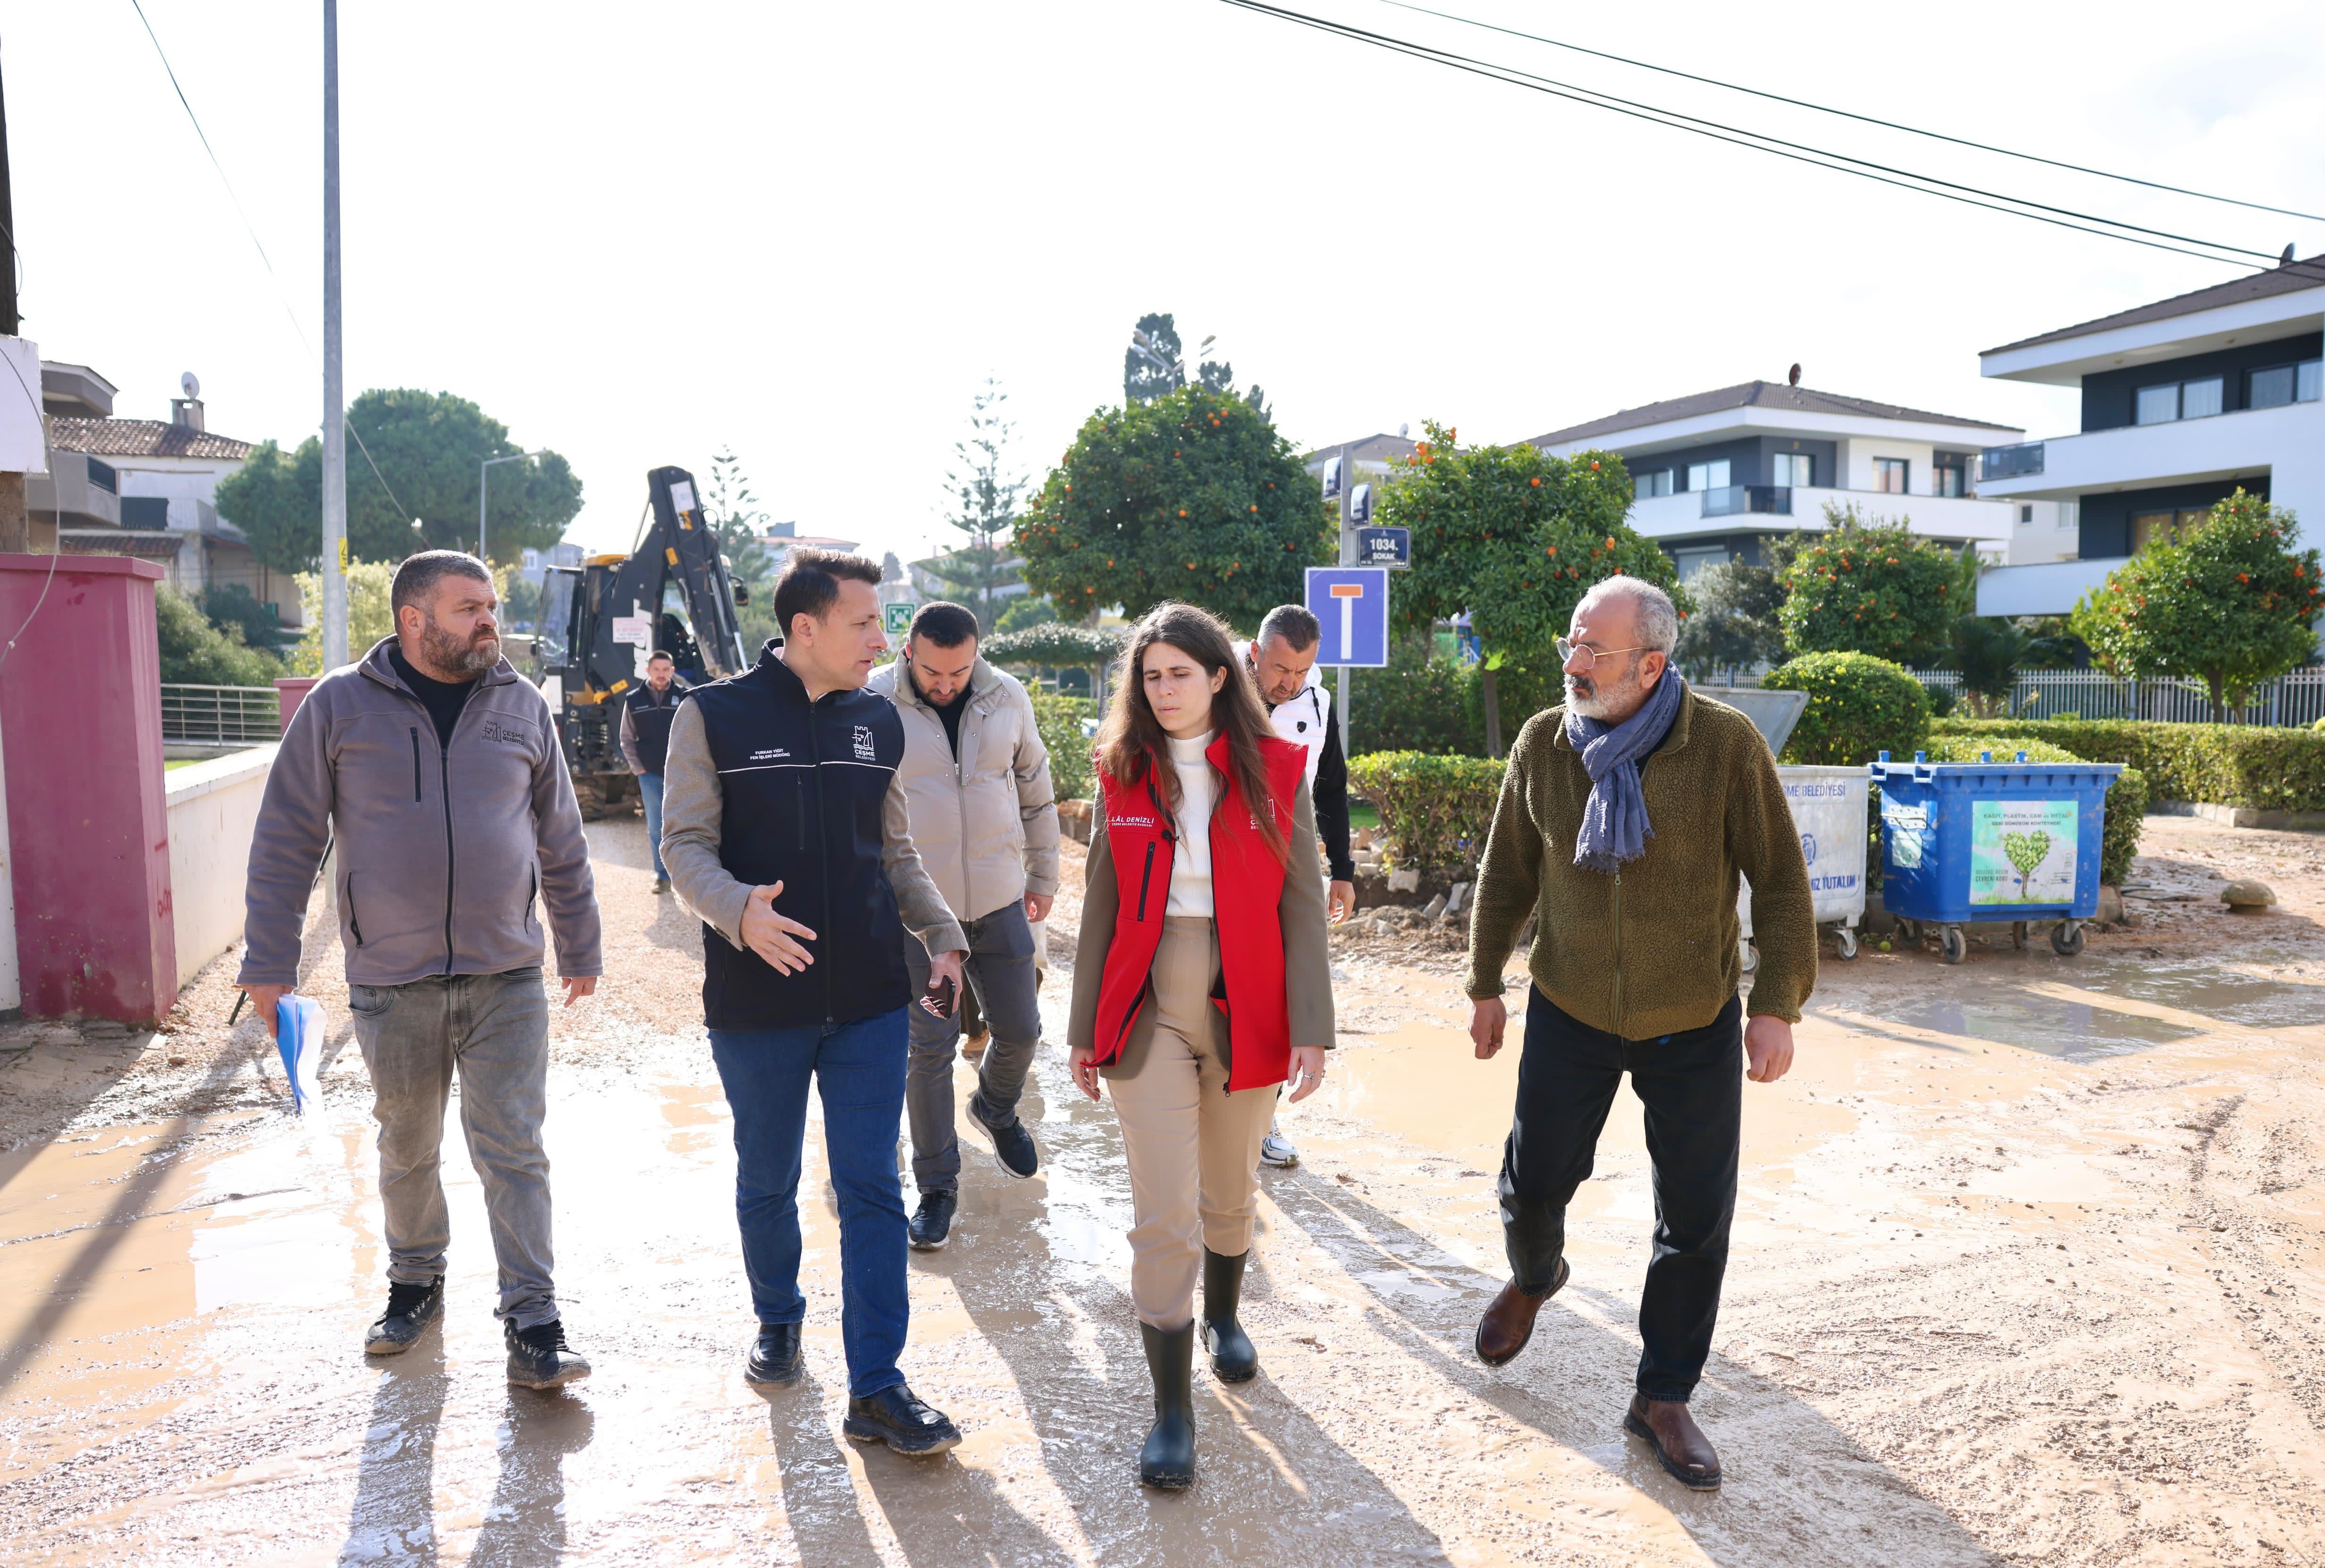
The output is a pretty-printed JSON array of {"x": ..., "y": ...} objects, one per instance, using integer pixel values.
[
  {"x": 2297, "y": 700},
  {"x": 221, "y": 715}
]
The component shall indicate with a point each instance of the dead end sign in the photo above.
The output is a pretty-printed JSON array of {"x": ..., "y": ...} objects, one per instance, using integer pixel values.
[{"x": 1352, "y": 604}]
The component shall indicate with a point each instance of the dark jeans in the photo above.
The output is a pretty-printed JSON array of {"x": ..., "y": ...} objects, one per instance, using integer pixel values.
[
  {"x": 999, "y": 969},
  {"x": 1692, "y": 1086},
  {"x": 859, "y": 1069}
]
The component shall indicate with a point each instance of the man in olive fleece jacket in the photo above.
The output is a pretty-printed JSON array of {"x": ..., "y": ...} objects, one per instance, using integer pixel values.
[{"x": 1636, "y": 971}]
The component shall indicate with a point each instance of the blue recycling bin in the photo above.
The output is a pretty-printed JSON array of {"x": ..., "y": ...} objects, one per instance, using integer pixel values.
[{"x": 2014, "y": 841}]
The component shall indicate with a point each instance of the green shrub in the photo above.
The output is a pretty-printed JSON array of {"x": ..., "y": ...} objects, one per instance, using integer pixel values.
[
  {"x": 194, "y": 652},
  {"x": 2126, "y": 798},
  {"x": 1435, "y": 809},
  {"x": 1859, "y": 706},
  {"x": 2265, "y": 768},
  {"x": 1059, "y": 720},
  {"x": 1421, "y": 702}
]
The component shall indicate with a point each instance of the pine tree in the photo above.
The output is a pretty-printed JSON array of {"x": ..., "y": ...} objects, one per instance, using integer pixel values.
[{"x": 986, "y": 491}]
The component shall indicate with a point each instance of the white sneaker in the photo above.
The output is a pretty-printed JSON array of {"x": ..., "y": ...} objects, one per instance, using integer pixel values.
[{"x": 1277, "y": 1150}]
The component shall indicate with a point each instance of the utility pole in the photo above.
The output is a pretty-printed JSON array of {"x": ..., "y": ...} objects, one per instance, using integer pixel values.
[
  {"x": 15, "y": 528},
  {"x": 335, "y": 419}
]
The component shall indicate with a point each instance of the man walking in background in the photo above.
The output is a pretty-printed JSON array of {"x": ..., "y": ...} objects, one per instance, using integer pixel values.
[
  {"x": 1624, "y": 818},
  {"x": 985, "y": 821},
  {"x": 436, "y": 773},
  {"x": 1281, "y": 661},
  {"x": 646, "y": 713},
  {"x": 787, "y": 833}
]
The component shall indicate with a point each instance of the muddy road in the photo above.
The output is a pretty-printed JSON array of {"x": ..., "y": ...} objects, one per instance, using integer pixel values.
[{"x": 2026, "y": 1270}]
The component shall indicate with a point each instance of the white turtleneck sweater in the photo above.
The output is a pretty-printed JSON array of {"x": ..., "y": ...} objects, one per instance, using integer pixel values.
[{"x": 1191, "y": 861}]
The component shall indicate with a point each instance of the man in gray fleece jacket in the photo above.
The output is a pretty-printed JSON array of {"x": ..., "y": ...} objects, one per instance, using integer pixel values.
[{"x": 436, "y": 773}]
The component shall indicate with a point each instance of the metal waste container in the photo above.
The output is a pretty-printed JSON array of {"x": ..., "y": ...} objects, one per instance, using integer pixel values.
[
  {"x": 1829, "y": 812},
  {"x": 1987, "y": 841}
]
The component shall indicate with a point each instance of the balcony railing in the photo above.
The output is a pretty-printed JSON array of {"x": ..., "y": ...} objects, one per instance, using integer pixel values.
[
  {"x": 2011, "y": 462},
  {"x": 221, "y": 715},
  {"x": 2295, "y": 700},
  {"x": 1732, "y": 500}
]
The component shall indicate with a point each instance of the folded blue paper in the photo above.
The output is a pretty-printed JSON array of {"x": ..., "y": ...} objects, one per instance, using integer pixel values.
[{"x": 298, "y": 1035}]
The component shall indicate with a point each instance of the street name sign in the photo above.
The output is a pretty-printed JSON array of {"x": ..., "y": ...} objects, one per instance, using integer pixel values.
[{"x": 1389, "y": 547}]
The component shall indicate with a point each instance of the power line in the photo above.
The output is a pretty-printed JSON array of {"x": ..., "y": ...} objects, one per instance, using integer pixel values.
[
  {"x": 256, "y": 245},
  {"x": 1758, "y": 141},
  {"x": 1848, "y": 114}
]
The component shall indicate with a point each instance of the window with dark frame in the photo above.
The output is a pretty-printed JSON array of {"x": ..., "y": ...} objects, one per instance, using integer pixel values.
[
  {"x": 1890, "y": 475},
  {"x": 1949, "y": 476},
  {"x": 1795, "y": 470}
]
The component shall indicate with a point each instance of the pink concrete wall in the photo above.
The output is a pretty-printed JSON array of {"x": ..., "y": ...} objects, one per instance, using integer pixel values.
[{"x": 80, "y": 702}]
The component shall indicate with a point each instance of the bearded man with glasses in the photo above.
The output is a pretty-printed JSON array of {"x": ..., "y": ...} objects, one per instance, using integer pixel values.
[{"x": 1625, "y": 820}]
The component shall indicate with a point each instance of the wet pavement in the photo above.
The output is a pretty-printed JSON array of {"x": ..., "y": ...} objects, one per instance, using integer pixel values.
[{"x": 2023, "y": 1266}]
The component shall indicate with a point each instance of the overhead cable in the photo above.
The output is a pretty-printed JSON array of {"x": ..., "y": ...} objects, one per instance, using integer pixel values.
[
  {"x": 1822, "y": 158},
  {"x": 1849, "y": 114}
]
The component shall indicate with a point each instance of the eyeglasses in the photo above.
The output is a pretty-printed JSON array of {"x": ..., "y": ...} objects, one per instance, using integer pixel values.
[{"x": 1568, "y": 652}]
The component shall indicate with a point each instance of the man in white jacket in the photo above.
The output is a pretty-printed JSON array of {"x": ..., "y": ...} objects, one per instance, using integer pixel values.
[
  {"x": 1281, "y": 661},
  {"x": 985, "y": 819}
]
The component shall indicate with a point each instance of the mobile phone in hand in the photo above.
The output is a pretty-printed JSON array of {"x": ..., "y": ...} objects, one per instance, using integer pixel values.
[{"x": 939, "y": 998}]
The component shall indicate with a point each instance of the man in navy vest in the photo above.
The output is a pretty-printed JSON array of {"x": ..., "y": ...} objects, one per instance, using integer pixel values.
[
  {"x": 785, "y": 830},
  {"x": 646, "y": 713}
]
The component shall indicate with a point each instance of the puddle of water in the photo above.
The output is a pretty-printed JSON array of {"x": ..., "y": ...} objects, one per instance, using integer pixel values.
[
  {"x": 2050, "y": 1025},
  {"x": 2244, "y": 999}
]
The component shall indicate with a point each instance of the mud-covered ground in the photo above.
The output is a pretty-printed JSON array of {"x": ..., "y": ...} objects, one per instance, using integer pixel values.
[{"x": 2027, "y": 1269}]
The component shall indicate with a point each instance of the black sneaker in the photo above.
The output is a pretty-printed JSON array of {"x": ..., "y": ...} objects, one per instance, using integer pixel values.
[
  {"x": 539, "y": 1357},
  {"x": 774, "y": 1355},
  {"x": 894, "y": 1417},
  {"x": 409, "y": 1308},
  {"x": 1013, "y": 1145},
  {"x": 932, "y": 1223}
]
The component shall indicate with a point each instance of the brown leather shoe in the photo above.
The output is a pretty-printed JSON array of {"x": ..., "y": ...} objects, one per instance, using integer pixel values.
[
  {"x": 1508, "y": 1323},
  {"x": 1685, "y": 1453}
]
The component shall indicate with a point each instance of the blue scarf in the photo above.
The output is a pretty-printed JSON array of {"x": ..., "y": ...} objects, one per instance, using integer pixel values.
[{"x": 1615, "y": 826}]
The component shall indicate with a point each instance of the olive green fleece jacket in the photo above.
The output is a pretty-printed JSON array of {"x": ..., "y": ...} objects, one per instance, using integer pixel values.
[{"x": 1654, "y": 950}]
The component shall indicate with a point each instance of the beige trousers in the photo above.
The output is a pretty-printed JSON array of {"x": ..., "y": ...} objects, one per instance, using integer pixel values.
[{"x": 1192, "y": 1147}]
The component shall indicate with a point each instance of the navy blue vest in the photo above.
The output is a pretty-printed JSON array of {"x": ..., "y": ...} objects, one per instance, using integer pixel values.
[
  {"x": 803, "y": 786},
  {"x": 650, "y": 717}
]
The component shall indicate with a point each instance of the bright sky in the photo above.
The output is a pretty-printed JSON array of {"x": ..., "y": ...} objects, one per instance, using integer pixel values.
[{"x": 638, "y": 234}]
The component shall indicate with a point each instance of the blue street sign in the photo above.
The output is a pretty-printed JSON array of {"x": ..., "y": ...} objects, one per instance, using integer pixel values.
[
  {"x": 1389, "y": 547},
  {"x": 1352, "y": 604}
]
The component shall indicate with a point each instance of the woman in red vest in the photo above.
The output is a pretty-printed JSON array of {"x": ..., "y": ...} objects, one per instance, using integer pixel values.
[{"x": 1201, "y": 983}]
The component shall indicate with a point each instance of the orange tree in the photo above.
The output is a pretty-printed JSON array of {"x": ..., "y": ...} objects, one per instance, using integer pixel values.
[
  {"x": 1192, "y": 495},
  {"x": 1874, "y": 588},
  {"x": 2232, "y": 605},
  {"x": 1513, "y": 538}
]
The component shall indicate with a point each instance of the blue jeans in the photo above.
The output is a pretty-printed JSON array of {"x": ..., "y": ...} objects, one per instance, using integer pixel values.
[
  {"x": 858, "y": 1070},
  {"x": 649, "y": 792}
]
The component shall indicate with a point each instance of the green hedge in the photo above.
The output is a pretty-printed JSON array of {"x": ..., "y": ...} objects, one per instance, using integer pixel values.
[
  {"x": 2126, "y": 798},
  {"x": 1435, "y": 809},
  {"x": 2230, "y": 765},
  {"x": 1858, "y": 708},
  {"x": 1059, "y": 720}
]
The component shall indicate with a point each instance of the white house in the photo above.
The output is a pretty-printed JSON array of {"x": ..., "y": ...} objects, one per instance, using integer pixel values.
[
  {"x": 2183, "y": 401},
  {"x": 145, "y": 488},
  {"x": 1716, "y": 472}
]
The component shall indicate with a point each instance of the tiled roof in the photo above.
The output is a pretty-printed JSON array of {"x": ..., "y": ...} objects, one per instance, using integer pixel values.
[
  {"x": 141, "y": 438},
  {"x": 2288, "y": 279},
  {"x": 1752, "y": 394}
]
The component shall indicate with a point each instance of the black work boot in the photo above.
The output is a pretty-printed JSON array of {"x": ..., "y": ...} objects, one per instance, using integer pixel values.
[
  {"x": 1168, "y": 1460},
  {"x": 1234, "y": 1357},
  {"x": 774, "y": 1355},
  {"x": 409, "y": 1308},
  {"x": 904, "y": 1423},
  {"x": 539, "y": 1357}
]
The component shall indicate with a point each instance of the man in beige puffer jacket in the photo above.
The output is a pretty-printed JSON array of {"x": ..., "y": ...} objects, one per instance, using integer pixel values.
[{"x": 984, "y": 819}]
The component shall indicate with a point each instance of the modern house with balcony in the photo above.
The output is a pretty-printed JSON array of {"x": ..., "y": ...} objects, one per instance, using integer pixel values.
[
  {"x": 2183, "y": 401},
  {"x": 1718, "y": 472}
]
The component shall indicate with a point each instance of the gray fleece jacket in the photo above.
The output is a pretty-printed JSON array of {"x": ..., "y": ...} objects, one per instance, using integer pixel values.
[{"x": 443, "y": 851}]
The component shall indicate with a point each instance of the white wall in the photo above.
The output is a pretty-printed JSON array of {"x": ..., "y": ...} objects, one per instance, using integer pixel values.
[{"x": 213, "y": 812}]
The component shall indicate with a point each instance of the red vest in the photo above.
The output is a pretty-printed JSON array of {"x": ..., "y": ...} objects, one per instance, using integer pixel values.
[{"x": 1246, "y": 894}]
